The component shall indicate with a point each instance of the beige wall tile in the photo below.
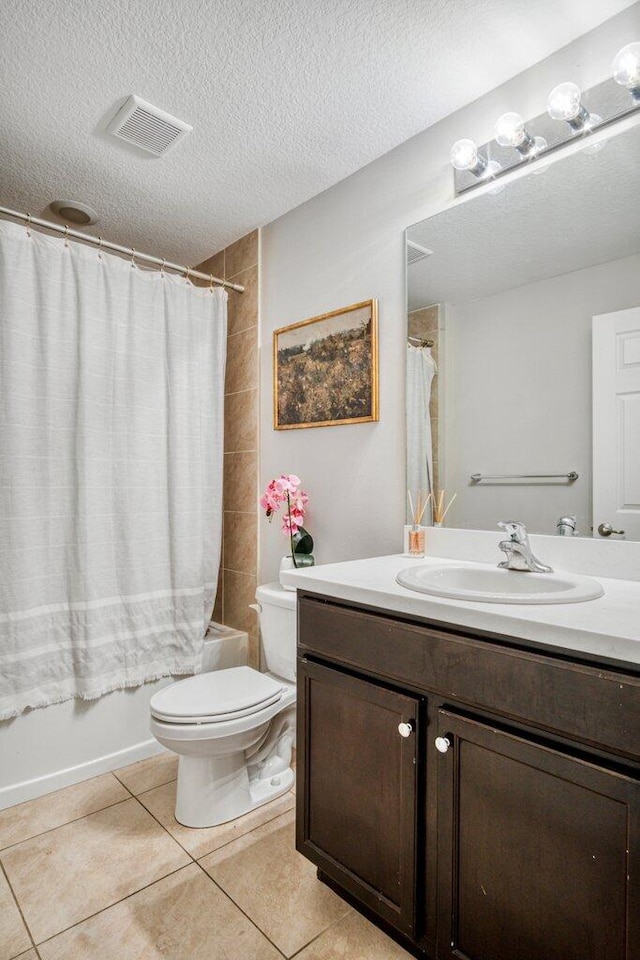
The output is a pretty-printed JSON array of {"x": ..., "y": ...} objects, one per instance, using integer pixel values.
[
  {"x": 424, "y": 322},
  {"x": 213, "y": 265},
  {"x": 435, "y": 434},
  {"x": 241, "y": 542},
  {"x": 183, "y": 917},
  {"x": 353, "y": 938},
  {"x": 241, "y": 482},
  {"x": 218, "y": 612},
  {"x": 14, "y": 938},
  {"x": 146, "y": 774},
  {"x": 238, "y": 573},
  {"x": 241, "y": 255},
  {"x": 239, "y": 592},
  {"x": 275, "y": 886},
  {"x": 161, "y": 802},
  {"x": 253, "y": 658},
  {"x": 242, "y": 361},
  {"x": 45, "y": 813},
  {"x": 90, "y": 864},
  {"x": 241, "y": 421},
  {"x": 242, "y": 308}
]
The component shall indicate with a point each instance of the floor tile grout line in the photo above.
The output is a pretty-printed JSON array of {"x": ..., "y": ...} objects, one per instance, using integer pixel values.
[
  {"x": 154, "y": 787},
  {"x": 243, "y": 912},
  {"x": 110, "y": 905},
  {"x": 322, "y": 932},
  {"x": 18, "y": 907},
  {"x": 33, "y": 836},
  {"x": 160, "y": 823},
  {"x": 66, "y": 823},
  {"x": 196, "y": 857}
]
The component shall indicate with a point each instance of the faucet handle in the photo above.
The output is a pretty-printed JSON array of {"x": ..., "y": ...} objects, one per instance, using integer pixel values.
[{"x": 515, "y": 529}]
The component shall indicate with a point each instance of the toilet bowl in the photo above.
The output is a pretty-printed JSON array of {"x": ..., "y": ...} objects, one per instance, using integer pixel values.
[{"x": 234, "y": 729}]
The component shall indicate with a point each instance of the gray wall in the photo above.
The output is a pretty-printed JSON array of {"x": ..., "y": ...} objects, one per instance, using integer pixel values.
[
  {"x": 347, "y": 245},
  {"x": 518, "y": 394}
]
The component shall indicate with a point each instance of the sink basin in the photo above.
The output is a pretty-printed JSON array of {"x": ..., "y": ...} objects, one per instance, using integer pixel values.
[{"x": 494, "y": 585}]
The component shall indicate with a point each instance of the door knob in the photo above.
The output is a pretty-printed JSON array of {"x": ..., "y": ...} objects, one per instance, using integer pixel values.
[
  {"x": 442, "y": 744},
  {"x": 605, "y": 530},
  {"x": 405, "y": 729}
]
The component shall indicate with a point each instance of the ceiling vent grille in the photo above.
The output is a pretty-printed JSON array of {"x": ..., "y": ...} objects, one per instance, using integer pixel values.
[
  {"x": 415, "y": 252},
  {"x": 147, "y": 127}
]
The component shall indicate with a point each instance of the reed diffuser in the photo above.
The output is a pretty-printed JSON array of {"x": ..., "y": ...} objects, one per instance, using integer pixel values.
[
  {"x": 415, "y": 533},
  {"x": 439, "y": 509}
]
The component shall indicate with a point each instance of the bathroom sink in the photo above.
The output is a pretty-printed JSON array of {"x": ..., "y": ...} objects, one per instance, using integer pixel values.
[{"x": 493, "y": 585}]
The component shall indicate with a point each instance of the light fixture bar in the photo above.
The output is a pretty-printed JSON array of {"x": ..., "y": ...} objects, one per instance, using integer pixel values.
[{"x": 582, "y": 113}]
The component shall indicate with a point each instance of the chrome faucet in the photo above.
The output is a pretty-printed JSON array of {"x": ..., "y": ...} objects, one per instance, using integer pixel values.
[{"x": 518, "y": 549}]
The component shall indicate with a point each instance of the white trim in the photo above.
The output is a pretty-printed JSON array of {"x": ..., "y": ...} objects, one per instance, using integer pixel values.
[{"x": 29, "y": 789}]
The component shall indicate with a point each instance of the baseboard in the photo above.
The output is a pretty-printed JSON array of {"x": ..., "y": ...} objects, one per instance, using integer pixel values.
[{"x": 29, "y": 789}]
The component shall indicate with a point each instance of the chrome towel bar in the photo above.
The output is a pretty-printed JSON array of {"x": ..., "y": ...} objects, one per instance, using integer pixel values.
[{"x": 571, "y": 476}]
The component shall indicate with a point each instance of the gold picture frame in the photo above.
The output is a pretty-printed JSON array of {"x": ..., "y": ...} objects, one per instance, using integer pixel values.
[{"x": 320, "y": 374}]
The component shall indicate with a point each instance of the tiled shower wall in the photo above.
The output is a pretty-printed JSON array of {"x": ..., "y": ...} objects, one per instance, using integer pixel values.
[
  {"x": 239, "y": 567},
  {"x": 427, "y": 324}
]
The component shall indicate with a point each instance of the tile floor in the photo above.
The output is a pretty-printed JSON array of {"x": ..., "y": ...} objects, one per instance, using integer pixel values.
[{"x": 102, "y": 871}]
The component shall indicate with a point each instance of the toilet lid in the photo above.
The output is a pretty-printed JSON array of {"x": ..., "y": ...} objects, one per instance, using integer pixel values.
[{"x": 217, "y": 696}]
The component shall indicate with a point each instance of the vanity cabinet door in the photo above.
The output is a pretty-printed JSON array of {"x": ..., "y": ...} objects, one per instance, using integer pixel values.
[
  {"x": 538, "y": 851},
  {"x": 357, "y": 777}
]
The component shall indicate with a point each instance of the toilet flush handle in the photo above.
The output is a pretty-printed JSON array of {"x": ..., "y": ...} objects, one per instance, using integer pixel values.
[{"x": 256, "y": 606}]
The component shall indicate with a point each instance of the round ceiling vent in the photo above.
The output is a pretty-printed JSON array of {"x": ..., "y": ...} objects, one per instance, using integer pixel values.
[{"x": 74, "y": 212}]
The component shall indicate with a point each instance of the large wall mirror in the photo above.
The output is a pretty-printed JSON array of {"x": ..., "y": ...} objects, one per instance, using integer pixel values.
[{"x": 523, "y": 353}]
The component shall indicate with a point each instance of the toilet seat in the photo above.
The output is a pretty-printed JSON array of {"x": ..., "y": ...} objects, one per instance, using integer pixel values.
[{"x": 216, "y": 697}]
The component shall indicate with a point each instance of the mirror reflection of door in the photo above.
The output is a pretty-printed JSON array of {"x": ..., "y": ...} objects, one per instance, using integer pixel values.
[{"x": 616, "y": 425}]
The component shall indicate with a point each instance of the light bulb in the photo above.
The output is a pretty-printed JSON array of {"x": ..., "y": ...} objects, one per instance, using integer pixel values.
[
  {"x": 510, "y": 131},
  {"x": 464, "y": 155},
  {"x": 626, "y": 68},
  {"x": 565, "y": 103}
]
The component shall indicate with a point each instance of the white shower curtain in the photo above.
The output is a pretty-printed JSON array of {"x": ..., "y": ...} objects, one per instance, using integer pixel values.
[
  {"x": 421, "y": 369},
  {"x": 111, "y": 399}
]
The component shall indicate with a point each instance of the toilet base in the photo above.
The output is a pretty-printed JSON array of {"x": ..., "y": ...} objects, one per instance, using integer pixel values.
[{"x": 215, "y": 790}]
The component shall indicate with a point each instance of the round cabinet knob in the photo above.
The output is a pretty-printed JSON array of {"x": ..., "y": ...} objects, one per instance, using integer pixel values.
[
  {"x": 405, "y": 729},
  {"x": 605, "y": 530},
  {"x": 442, "y": 744}
]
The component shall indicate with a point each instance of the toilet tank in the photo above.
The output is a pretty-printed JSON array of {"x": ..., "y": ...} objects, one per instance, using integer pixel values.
[{"x": 277, "y": 615}]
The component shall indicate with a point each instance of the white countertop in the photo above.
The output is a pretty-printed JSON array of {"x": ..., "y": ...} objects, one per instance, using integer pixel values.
[{"x": 606, "y": 628}]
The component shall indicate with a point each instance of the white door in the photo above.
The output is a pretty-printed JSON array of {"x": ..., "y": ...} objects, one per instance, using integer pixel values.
[{"x": 616, "y": 424}]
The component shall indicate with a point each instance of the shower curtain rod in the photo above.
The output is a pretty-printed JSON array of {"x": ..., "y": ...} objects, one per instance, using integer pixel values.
[{"x": 129, "y": 251}]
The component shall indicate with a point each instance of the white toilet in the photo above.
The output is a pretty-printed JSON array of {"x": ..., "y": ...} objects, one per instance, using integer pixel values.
[{"x": 234, "y": 729}]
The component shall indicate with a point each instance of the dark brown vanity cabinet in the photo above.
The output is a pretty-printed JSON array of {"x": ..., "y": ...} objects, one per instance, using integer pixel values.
[
  {"x": 480, "y": 798},
  {"x": 359, "y": 821},
  {"x": 532, "y": 850}
]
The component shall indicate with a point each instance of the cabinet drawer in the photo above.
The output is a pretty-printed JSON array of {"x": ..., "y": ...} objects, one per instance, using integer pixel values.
[{"x": 596, "y": 707}]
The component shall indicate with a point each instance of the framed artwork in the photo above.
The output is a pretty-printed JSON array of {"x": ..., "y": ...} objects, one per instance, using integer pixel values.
[{"x": 325, "y": 370}]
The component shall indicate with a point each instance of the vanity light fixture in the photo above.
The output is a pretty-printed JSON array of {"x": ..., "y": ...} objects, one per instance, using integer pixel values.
[
  {"x": 465, "y": 156},
  {"x": 511, "y": 132},
  {"x": 565, "y": 103},
  {"x": 626, "y": 69},
  {"x": 531, "y": 142}
]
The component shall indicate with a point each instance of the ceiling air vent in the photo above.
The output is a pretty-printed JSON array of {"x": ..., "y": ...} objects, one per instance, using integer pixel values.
[
  {"x": 415, "y": 252},
  {"x": 147, "y": 127}
]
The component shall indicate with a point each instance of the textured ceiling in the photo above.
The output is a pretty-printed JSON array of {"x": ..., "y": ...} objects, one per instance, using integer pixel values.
[
  {"x": 286, "y": 98},
  {"x": 582, "y": 210}
]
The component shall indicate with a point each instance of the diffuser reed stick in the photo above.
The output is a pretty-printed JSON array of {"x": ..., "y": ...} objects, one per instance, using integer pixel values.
[{"x": 440, "y": 511}]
